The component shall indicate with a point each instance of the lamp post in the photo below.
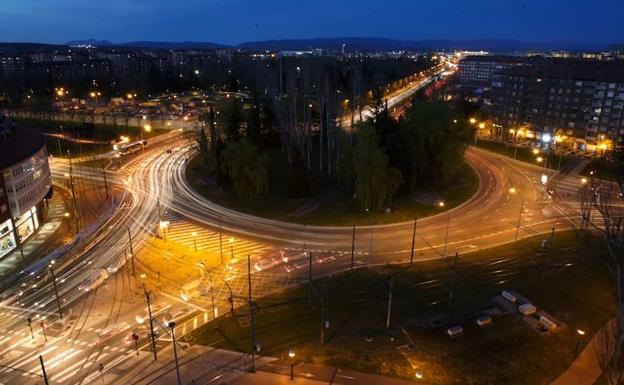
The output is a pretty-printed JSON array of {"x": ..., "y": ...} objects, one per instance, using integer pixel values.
[
  {"x": 135, "y": 337},
  {"x": 512, "y": 190},
  {"x": 579, "y": 334},
  {"x": 175, "y": 351},
  {"x": 56, "y": 294},
  {"x": 66, "y": 215},
  {"x": 291, "y": 355},
  {"x": 194, "y": 234},
  {"x": 448, "y": 224}
]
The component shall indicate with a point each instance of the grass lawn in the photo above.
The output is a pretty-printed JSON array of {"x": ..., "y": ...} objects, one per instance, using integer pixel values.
[
  {"x": 575, "y": 289},
  {"x": 526, "y": 154},
  {"x": 333, "y": 207},
  {"x": 603, "y": 169},
  {"x": 96, "y": 163},
  {"x": 100, "y": 132}
]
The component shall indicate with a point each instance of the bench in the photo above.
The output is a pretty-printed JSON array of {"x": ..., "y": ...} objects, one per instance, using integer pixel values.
[
  {"x": 509, "y": 297},
  {"x": 527, "y": 309},
  {"x": 454, "y": 331},
  {"x": 548, "y": 323},
  {"x": 484, "y": 321}
]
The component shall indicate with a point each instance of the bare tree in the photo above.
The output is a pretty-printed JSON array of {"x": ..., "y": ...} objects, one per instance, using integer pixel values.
[{"x": 601, "y": 196}]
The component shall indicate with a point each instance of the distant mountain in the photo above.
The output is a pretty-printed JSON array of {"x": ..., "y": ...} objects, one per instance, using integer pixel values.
[
  {"x": 361, "y": 44},
  {"x": 372, "y": 44},
  {"x": 27, "y": 47},
  {"x": 149, "y": 44}
]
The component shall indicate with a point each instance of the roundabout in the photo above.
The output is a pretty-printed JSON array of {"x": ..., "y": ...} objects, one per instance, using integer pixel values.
[{"x": 488, "y": 218}]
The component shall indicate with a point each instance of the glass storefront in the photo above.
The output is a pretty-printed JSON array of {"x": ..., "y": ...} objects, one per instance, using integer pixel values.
[
  {"x": 7, "y": 238},
  {"x": 27, "y": 225}
]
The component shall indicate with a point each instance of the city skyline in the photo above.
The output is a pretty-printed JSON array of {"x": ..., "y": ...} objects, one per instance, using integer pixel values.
[{"x": 234, "y": 22}]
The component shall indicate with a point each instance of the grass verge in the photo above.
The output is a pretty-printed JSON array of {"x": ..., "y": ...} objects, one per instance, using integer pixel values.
[
  {"x": 524, "y": 154},
  {"x": 329, "y": 206},
  {"x": 574, "y": 287}
]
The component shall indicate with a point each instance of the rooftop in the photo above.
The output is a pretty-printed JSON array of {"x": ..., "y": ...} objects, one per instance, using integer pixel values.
[
  {"x": 18, "y": 143},
  {"x": 505, "y": 59},
  {"x": 594, "y": 70}
]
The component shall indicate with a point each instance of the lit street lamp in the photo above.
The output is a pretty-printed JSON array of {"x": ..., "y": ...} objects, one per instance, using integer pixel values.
[
  {"x": 580, "y": 333},
  {"x": 448, "y": 224},
  {"x": 419, "y": 375},
  {"x": 291, "y": 355},
  {"x": 513, "y": 190}
]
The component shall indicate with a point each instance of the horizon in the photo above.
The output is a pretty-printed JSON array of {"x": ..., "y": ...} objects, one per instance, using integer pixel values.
[{"x": 239, "y": 21}]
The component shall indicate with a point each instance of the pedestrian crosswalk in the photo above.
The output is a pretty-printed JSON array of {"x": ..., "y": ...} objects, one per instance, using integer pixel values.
[{"x": 185, "y": 233}]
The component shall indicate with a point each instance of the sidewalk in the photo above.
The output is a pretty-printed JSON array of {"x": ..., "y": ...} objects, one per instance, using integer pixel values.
[
  {"x": 47, "y": 235},
  {"x": 585, "y": 370}
]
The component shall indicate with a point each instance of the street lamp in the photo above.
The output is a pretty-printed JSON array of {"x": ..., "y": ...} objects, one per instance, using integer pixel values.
[
  {"x": 175, "y": 351},
  {"x": 473, "y": 121},
  {"x": 512, "y": 190},
  {"x": 194, "y": 234},
  {"x": 291, "y": 355},
  {"x": 448, "y": 224},
  {"x": 580, "y": 333},
  {"x": 419, "y": 375}
]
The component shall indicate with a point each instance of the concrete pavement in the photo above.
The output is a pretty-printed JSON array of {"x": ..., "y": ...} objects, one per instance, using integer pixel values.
[{"x": 585, "y": 370}]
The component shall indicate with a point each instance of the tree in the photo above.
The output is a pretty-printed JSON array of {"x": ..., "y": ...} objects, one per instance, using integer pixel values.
[
  {"x": 375, "y": 181},
  {"x": 435, "y": 140},
  {"x": 234, "y": 119},
  {"x": 246, "y": 167},
  {"x": 254, "y": 128},
  {"x": 299, "y": 184}
]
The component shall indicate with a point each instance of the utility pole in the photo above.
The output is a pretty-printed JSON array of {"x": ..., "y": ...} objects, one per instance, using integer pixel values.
[
  {"x": 389, "y": 302},
  {"x": 253, "y": 321},
  {"x": 214, "y": 310},
  {"x": 130, "y": 242},
  {"x": 519, "y": 218},
  {"x": 448, "y": 224},
  {"x": 105, "y": 182},
  {"x": 310, "y": 279},
  {"x": 73, "y": 191},
  {"x": 58, "y": 301},
  {"x": 45, "y": 376},
  {"x": 151, "y": 323},
  {"x": 353, "y": 247},
  {"x": 32, "y": 335},
  {"x": 220, "y": 240},
  {"x": 413, "y": 242},
  {"x": 45, "y": 336},
  {"x": 549, "y": 252},
  {"x": 452, "y": 288},
  {"x": 175, "y": 351},
  {"x": 135, "y": 338}
]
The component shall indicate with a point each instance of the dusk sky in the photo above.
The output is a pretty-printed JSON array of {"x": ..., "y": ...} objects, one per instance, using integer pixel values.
[{"x": 236, "y": 21}]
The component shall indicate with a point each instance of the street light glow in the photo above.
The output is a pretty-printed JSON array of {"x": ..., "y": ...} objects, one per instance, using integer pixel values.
[
  {"x": 512, "y": 190},
  {"x": 546, "y": 137}
]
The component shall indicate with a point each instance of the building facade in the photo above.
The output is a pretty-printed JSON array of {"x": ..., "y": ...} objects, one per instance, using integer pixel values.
[
  {"x": 479, "y": 69},
  {"x": 25, "y": 185},
  {"x": 581, "y": 99}
]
